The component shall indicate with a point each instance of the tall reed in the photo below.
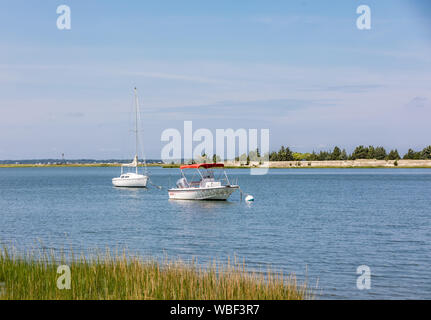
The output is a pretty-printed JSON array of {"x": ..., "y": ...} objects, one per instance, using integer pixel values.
[{"x": 113, "y": 275}]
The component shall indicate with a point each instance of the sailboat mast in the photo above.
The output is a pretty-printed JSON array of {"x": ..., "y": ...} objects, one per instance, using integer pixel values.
[{"x": 136, "y": 129}]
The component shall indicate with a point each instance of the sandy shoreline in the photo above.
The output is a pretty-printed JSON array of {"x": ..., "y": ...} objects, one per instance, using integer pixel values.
[{"x": 362, "y": 163}]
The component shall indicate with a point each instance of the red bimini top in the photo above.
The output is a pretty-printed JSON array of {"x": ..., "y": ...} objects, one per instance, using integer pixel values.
[{"x": 202, "y": 165}]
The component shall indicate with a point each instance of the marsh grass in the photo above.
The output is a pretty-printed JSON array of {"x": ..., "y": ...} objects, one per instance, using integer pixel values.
[{"x": 111, "y": 275}]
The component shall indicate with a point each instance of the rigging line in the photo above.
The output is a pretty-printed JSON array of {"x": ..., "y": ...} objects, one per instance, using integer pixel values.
[
  {"x": 151, "y": 182},
  {"x": 141, "y": 144}
]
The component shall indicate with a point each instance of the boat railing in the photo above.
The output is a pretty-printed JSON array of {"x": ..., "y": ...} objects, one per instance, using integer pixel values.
[
  {"x": 225, "y": 181},
  {"x": 234, "y": 181},
  {"x": 231, "y": 181}
]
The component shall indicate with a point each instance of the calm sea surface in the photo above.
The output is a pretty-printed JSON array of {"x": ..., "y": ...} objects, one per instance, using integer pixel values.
[{"x": 317, "y": 223}]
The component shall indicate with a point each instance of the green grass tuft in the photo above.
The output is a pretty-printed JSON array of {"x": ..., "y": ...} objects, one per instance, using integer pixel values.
[{"x": 118, "y": 276}]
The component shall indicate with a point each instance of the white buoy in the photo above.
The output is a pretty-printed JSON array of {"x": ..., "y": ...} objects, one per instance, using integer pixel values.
[{"x": 249, "y": 197}]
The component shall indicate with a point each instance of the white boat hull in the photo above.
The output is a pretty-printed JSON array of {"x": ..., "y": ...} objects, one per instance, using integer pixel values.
[
  {"x": 210, "y": 193},
  {"x": 140, "y": 181}
]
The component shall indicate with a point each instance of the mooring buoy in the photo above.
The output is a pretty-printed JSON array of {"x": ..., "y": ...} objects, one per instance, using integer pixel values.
[{"x": 249, "y": 197}]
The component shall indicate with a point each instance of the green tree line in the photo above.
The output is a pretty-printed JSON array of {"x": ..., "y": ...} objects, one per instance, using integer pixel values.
[{"x": 360, "y": 152}]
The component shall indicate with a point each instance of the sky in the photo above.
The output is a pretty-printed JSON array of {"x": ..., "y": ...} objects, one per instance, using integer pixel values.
[{"x": 299, "y": 68}]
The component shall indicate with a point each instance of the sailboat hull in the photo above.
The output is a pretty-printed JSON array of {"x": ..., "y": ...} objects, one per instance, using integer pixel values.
[{"x": 129, "y": 181}]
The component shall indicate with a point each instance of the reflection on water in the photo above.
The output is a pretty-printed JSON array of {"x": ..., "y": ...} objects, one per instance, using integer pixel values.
[
  {"x": 200, "y": 205},
  {"x": 133, "y": 193}
]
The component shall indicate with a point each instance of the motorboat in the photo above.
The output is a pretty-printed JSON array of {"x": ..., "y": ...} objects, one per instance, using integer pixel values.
[{"x": 205, "y": 187}]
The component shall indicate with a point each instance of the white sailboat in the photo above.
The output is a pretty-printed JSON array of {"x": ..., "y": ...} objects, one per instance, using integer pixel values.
[{"x": 132, "y": 178}]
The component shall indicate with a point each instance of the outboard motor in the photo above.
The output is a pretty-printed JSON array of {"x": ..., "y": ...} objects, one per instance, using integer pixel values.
[{"x": 182, "y": 183}]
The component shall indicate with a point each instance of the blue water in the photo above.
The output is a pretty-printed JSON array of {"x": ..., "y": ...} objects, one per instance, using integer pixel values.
[{"x": 317, "y": 223}]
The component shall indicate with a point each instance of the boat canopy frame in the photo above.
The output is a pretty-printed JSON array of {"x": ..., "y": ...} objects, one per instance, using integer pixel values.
[
  {"x": 202, "y": 165},
  {"x": 208, "y": 167}
]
